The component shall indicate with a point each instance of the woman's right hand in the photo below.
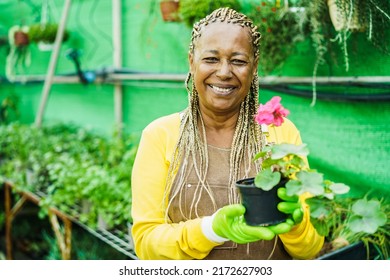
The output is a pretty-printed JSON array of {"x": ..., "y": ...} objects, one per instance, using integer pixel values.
[{"x": 228, "y": 222}]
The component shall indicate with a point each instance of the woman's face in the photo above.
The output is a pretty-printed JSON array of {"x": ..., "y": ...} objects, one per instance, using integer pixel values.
[{"x": 223, "y": 66}]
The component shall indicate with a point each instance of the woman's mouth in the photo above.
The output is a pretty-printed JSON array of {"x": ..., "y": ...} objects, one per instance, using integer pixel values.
[{"x": 222, "y": 90}]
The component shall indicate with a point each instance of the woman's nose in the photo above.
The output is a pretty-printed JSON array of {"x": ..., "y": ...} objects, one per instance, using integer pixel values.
[{"x": 224, "y": 70}]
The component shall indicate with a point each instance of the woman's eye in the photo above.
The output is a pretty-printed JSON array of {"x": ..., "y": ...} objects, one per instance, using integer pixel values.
[
  {"x": 210, "y": 59},
  {"x": 239, "y": 62}
]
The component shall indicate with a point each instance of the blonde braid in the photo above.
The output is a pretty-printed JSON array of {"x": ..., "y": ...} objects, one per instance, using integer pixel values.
[{"x": 192, "y": 144}]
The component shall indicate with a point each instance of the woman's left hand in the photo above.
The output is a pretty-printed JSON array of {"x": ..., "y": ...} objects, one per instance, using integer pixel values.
[{"x": 290, "y": 205}]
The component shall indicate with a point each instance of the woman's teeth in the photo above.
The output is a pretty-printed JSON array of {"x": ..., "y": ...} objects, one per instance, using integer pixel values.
[{"x": 222, "y": 90}]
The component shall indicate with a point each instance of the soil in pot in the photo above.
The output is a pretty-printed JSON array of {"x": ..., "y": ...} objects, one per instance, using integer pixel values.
[{"x": 260, "y": 205}]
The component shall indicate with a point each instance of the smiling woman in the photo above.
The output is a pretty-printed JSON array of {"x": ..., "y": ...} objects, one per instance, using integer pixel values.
[
  {"x": 185, "y": 202},
  {"x": 222, "y": 65}
]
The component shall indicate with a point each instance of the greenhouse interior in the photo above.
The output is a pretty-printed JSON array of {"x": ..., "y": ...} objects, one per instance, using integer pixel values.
[{"x": 80, "y": 81}]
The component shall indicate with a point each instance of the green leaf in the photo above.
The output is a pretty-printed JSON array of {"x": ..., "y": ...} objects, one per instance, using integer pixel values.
[
  {"x": 281, "y": 150},
  {"x": 260, "y": 155},
  {"x": 364, "y": 224},
  {"x": 321, "y": 227},
  {"x": 319, "y": 208},
  {"x": 293, "y": 187},
  {"x": 266, "y": 179},
  {"x": 339, "y": 188},
  {"x": 311, "y": 182},
  {"x": 263, "y": 153},
  {"x": 367, "y": 216},
  {"x": 364, "y": 207}
]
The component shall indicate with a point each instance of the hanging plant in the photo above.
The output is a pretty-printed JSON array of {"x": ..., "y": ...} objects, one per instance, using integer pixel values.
[
  {"x": 45, "y": 33},
  {"x": 192, "y": 11},
  {"x": 169, "y": 10},
  {"x": 333, "y": 23},
  {"x": 19, "y": 56},
  {"x": 280, "y": 31}
]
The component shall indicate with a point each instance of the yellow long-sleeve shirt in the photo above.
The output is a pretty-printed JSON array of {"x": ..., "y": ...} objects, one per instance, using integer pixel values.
[{"x": 156, "y": 239}]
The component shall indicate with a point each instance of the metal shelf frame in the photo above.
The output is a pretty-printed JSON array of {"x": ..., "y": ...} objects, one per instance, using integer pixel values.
[{"x": 117, "y": 239}]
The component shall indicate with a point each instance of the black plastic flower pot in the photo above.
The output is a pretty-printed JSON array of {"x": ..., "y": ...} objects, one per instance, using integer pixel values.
[
  {"x": 355, "y": 251},
  {"x": 260, "y": 205}
]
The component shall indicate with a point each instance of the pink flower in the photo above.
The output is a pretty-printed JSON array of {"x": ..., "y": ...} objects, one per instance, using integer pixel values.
[{"x": 272, "y": 112}]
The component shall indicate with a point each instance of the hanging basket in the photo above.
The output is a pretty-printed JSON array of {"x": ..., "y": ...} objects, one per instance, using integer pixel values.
[
  {"x": 339, "y": 15},
  {"x": 169, "y": 10},
  {"x": 21, "y": 38}
]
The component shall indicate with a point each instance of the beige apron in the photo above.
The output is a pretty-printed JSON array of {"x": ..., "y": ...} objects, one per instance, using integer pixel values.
[{"x": 217, "y": 178}]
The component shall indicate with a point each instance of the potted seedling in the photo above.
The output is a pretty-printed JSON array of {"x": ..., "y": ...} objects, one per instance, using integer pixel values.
[
  {"x": 354, "y": 227},
  {"x": 283, "y": 166}
]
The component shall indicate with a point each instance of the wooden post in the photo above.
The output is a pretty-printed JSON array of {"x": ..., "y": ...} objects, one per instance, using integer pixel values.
[
  {"x": 52, "y": 64},
  {"x": 64, "y": 239},
  {"x": 117, "y": 61},
  {"x": 10, "y": 213}
]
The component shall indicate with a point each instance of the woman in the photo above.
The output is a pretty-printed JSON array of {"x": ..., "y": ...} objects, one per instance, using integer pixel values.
[{"x": 185, "y": 204}]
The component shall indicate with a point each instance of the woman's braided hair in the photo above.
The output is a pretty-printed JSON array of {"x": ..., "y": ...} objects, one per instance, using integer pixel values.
[{"x": 192, "y": 144}]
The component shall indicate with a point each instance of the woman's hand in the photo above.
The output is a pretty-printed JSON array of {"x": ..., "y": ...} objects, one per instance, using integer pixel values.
[
  {"x": 290, "y": 205},
  {"x": 228, "y": 222}
]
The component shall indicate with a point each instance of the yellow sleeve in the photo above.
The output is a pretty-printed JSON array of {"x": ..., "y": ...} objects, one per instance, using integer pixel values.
[
  {"x": 303, "y": 241},
  {"x": 153, "y": 237},
  {"x": 286, "y": 133}
]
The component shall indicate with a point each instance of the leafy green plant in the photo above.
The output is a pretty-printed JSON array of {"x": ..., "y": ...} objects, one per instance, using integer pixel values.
[
  {"x": 347, "y": 220},
  {"x": 280, "y": 30},
  {"x": 342, "y": 221},
  {"x": 19, "y": 55},
  {"x": 286, "y": 161},
  {"x": 45, "y": 33},
  {"x": 70, "y": 165},
  {"x": 331, "y": 39},
  {"x": 191, "y": 11},
  {"x": 9, "y": 108}
]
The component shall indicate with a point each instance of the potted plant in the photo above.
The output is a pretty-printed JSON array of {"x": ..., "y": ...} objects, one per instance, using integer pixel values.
[
  {"x": 20, "y": 36},
  {"x": 19, "y": 56},
  {"x": 332, "y": 25},
  {"x": 280, "y": 31},
  {"x": 191, "y": 11},
  {"x": 169, "y": 10},
  {"x": 283, "y": 167},
  {"x": 345, "y": 15},
  {"x": 261, "y": 205},
  {"x": 354, "y": 228},
  {"x": 44, "y": 34}
]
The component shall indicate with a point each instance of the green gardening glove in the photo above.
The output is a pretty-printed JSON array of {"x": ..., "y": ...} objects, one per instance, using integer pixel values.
[
  {"x": 290, "y": 205},
  {"x": 228, "y": 222}
]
